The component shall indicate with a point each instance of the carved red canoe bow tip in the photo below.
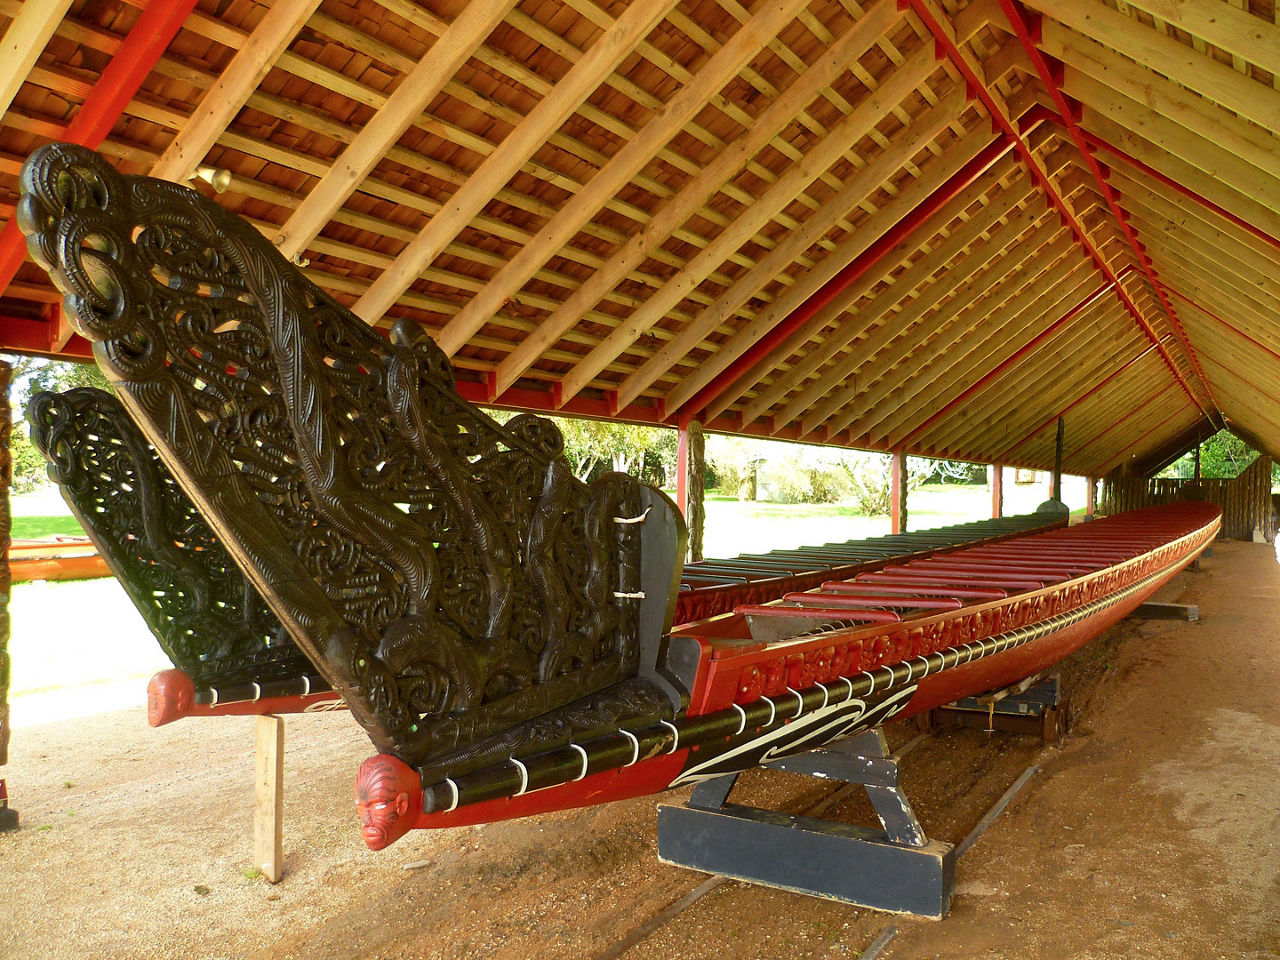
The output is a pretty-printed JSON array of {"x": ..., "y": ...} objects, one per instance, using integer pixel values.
[
  {"x": 170, "y": 696},
  {"x": 388, "y": 800}
]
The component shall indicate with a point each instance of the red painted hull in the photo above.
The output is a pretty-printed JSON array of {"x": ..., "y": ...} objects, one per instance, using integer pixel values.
[{"x": 982, "y": 646}]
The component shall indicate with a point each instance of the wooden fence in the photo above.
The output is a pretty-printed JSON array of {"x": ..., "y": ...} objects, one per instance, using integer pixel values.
[{"x": 1245, "y": 500}]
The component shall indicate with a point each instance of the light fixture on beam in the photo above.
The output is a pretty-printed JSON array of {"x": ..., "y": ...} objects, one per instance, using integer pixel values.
[{"x": 216, "y": 177}]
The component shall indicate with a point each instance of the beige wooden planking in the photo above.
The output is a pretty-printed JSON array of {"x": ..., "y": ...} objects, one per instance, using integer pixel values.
[
  {"x": 518, "y": 146},
  {"x": 1039, "y": 300},
  {"x": 933, "y": 331},
  {"x": 1196, "y": 71},
  {"x": 232, "y": 88},
  {"x": 1232, "y": 349},
  {"x": 23, "y": 42},
  {"x": 1240, "y": 33},
  {"x": 938, "y": 250},
  {"x": 1174, "y": 138},
  {"x": 405, "y": 105},
  {"x": 851, "y": 129},
  {"x": 1249, "y": 318},
  {"x": 857, "y": 188},
  {"x": 1160, "y": 433},
  {"x": 877, "y": 323},
  {"x": 1245, "y": 140},
  {"x": 1109, "y": 334},
  {"x": 875, "y": 367},
  {"x": 1194, "y": 179},
  {"x": 727, "y": 62},
  {"x": 1124, "y": 426},
  {"x": 268, "y": 808},
  {"x": 1039, "y": 304},
  {"x": 712, "y": 178}
]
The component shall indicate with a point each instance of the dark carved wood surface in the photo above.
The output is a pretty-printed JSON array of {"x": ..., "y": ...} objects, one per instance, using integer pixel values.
[
  {"x": 208, "y": 618},
  {"x": 447, "y": 574}
]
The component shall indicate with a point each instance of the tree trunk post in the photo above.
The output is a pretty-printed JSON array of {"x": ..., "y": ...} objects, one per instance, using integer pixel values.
[
  {"x": 997, "y": 490},
  {"x": 1197, "y": 476},
  {"x": 695, "y": 513},
  {"x": 1091, "y": 496},
  {"x": 898, "y": 492}
]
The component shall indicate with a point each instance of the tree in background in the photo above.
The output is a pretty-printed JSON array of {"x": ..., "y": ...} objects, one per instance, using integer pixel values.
[
  {"x": 1224, "y": 455},
  {"x": 30, "y": 376}
]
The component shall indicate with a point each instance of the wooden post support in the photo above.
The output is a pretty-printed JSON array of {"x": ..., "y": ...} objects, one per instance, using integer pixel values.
[
  {"x": 997, "y": 490},
  {"x": 1056, "y": 492},
  {"x": 268, "y": 810},
  {"x": 682, "y": 470},
  {"x": 1091, "y": 496},
  {"x": 1197, "y": 461},
  {"x": 695, "y": 512},
  {"x": 898, "y": 492}
]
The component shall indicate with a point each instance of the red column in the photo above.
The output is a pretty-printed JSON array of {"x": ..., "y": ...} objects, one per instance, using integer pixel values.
[
  {"x": 997, "y": 490},
  {"x": 898, "y": 493}
]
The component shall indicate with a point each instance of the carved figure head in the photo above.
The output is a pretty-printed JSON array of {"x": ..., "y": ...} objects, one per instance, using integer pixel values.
[
  {"x": 387, "y": 791},
  {"x": 170, "y": 696}
]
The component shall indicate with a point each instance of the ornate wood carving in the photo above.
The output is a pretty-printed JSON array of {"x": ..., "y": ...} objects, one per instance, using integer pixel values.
[
  {"x": 448, "y": 574},
  {"x": 208, "y": 618}
]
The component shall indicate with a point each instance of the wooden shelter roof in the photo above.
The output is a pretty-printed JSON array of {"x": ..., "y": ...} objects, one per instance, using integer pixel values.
[{"x": 932, "y": 226}]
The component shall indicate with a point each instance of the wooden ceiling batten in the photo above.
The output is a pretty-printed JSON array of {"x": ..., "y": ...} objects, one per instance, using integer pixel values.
[
  {"x": 416, "y": 89},
  {"x": 23, "y": 42},
  {"x": 233, "y": 88},
  {"x": 727, "y": 62},
  {"x": 583, "y": 77}
]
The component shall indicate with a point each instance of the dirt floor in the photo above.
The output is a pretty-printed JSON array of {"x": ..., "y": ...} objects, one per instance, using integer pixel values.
[{"x": 1152, "y": 833}]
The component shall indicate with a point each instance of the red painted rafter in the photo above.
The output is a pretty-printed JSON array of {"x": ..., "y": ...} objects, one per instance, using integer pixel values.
[
  {"x": 148, "y": 39},
  {"x": 1023, "y": 29},
  {"x": 949, "y": 49}
]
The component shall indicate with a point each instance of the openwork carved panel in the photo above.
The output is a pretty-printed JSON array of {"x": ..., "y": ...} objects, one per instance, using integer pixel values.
[
  {"x": 209, "y": 619},
  {"x": 447, "y": 573}
]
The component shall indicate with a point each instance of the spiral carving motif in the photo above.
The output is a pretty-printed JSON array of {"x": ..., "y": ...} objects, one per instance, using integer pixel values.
[{"x": 447, "y": 573}]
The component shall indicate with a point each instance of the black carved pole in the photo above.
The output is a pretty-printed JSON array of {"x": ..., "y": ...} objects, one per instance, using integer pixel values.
[
  {"x": 8, "y": 817},
  {"x": 1056, "y": 494}
]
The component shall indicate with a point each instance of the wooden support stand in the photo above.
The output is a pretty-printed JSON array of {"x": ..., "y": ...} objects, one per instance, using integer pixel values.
[
  {"x": 268, "y": 810},
  {"x": 1035, "y": 706},
  {"x": 1166, "y": 611},
  {"x": 897, "y": 869}
]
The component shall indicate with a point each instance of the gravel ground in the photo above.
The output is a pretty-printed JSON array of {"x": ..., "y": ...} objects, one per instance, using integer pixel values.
[{"x": 1151, "y": 834}]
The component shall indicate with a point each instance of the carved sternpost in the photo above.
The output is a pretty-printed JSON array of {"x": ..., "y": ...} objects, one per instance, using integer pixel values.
[{"x": 8, "y": 818}]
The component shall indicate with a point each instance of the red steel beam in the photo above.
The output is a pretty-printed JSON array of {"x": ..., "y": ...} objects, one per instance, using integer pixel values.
[
  {"x": 1009, "y": 361},
  {"x": 947, "y": 46},
  {"x": 1017, "y": 17},
  {"x": 957, "y": 182},
  {"x": 148, "y": 39}
]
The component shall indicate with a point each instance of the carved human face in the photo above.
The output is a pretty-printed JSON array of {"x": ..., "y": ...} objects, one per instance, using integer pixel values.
[{"x": 383, "y": 803}]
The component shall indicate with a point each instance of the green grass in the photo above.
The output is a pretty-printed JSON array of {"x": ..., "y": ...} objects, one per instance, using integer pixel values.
[{"x": 33, "y": 527}]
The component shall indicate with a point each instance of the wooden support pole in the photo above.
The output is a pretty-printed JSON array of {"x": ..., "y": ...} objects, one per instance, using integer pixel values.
[
  {"x": 997, "y": 490},
  {"x": 1197, "y": 475},
  {"x": 268, "y": 810},
  {"x": 691, "y": 483},
  {"x": 1056, "y": 492},
  {"x": 898, "y": 492},
  {"x": 1091, "y": 496}
]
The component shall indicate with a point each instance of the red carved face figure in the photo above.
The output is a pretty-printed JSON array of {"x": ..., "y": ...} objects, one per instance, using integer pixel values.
[{"x": 385, "y": 791}]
